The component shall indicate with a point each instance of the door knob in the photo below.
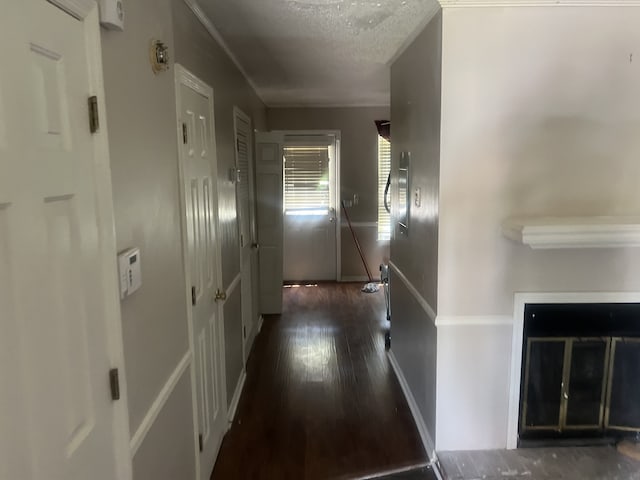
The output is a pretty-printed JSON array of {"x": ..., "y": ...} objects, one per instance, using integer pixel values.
[{"x": 220, "y": 295}]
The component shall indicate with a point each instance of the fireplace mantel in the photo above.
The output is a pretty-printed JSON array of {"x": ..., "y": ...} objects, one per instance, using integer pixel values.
[{"x": 573, "y": 232}]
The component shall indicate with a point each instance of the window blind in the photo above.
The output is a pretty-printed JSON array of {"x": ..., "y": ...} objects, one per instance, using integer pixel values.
[
  {"x": 384, "y": 167},
  {"x": 306, "y": 180}
]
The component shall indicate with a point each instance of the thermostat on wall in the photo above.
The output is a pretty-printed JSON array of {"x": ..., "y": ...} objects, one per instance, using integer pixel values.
[
  {"x": 112, "y": 14},
  {"x": 129, "y": 271}
]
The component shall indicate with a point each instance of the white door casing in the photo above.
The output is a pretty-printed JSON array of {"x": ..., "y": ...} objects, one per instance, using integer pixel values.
[
  {"x": 311, "y": 241},
  {"x": 248, "y": 244},
  {"x": 197, "y": 157},
  {"x": 59, "y": 309},
  {"x": 269, "y": 218}
]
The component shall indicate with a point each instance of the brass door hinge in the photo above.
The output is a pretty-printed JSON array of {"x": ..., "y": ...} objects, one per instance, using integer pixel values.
[
  {"x": 114, "y": 383},
  {"x": 94, "y": 117}
]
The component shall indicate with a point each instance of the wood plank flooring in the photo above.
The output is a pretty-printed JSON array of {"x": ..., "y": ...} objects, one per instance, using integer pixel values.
[{"x": 321, "y": 400}]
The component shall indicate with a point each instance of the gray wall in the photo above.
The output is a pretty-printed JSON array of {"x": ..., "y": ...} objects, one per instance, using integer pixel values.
[
  {"x": 143, "y": 146},
  {"x": 358, "y": 173},
  {"x": 142, "y": 139},
  {"x": 539, "y": 125},
  {"x": 173, "y": 458},
  {"x": 415, "y": 127},
  {"x": 532, "y": 125},
  {"x": 196, "y": 50}
]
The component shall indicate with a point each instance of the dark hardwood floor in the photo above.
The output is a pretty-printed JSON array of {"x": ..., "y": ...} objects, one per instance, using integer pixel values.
[{"x": 321, "y": 400}]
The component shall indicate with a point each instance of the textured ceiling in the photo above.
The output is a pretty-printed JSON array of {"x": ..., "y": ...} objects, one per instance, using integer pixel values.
[{"x": 318, "y": 52}]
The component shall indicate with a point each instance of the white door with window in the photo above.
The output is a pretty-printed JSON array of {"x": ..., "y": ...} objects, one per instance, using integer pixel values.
[
  {"x": 310, "y": 203},
  {"x": 202, "y": 260},
  {"x": 59, "y": 313}
]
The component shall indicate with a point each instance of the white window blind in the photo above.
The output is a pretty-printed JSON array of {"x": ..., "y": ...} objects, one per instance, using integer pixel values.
[
  {"x": 306, "y": 180},
  {"x": 384, "y": 167}
]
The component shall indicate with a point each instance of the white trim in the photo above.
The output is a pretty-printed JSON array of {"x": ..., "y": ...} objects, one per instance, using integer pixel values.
[
  {"x": 79, "y": 9},
  {"x": 246, "y": 303},
  {"x": 537, "y": 3},
  {"x": 360, "y": 225},
  {"x": 106, "y": 225},
  {"x": 157, "y": 405},
  {"x": 233, "y": 285},
  {"x": 235, "y": 400},
  {"x": 473, "y": 320},
  {"x": 337, "y": 205},
  {"x": 213, "y": 31},
  {"x": 419, "y": 298},
  {"x": 184, "y": 77},
  {"x": 574, "y": 232},
  {"x": 520, "y": 301},
  {"x": 427, "y": 441}
]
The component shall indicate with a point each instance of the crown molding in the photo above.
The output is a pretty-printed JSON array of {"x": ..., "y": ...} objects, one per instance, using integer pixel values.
[
  {"x": 206, "y": 22},
  {"x": 417, "y": 31},
  {"x": 537, "y": 3}
]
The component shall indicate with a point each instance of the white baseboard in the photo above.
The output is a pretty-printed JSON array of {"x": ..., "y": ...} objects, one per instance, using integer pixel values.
[
  {"x": 236, "y": 396},
  {"x": 427, "y": 441},
  {"x": 414, "y": 292},
  {"x": 157, "y": 405}
]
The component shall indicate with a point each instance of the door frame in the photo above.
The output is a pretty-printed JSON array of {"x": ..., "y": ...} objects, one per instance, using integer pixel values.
[
  {"x": 238, "y": 114},
  {"x": 336, "y": 194},
  {"x": 87, "y": 12},
  {"x": 182, "y": 76}
]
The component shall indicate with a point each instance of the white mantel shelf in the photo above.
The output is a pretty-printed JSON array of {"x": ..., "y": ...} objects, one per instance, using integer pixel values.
[{"x": 574, "y": 232}]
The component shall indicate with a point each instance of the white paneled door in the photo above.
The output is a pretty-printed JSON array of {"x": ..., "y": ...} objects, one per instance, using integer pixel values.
[
  {"x": 202, "y": 261},
  {"x": 310, "y": 204},
  {"x": 59, "y": 313}
]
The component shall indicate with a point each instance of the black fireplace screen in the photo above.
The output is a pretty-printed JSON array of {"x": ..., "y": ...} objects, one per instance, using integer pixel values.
[{"x": 579, "y": 378}]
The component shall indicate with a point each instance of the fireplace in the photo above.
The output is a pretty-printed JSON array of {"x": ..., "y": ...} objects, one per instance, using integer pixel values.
[{"x": 580, "y": 372}]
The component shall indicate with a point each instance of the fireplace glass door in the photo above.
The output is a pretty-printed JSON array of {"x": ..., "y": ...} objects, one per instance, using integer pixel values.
[{"x": 565, "y": 383}]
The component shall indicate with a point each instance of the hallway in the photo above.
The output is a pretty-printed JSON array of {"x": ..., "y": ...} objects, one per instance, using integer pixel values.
[{"x": 321, "y": 400}]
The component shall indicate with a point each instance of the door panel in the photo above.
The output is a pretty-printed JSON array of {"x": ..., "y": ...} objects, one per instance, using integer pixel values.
[
  {"x": 244, "y": 187},
  {"x": 269, "y": 219},
  {"x": 59, "y": 420},
  {"x": 197, "y": 160},
  {"x": 310, "y": 201}
]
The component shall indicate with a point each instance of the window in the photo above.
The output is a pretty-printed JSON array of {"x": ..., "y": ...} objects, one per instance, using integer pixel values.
[
  {"x": 306, "y": 180},
  {"x": 384, "y": 167}
]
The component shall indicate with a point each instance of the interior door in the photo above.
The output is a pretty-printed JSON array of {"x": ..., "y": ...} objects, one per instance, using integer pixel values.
[
  {"x": 59, "y": 312},
  {"x": 310, "y": 203},
  {"x": 244, "y": 186},
  {"x": 197, "y": 160},
  {"x": 269, "y": 219}
]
